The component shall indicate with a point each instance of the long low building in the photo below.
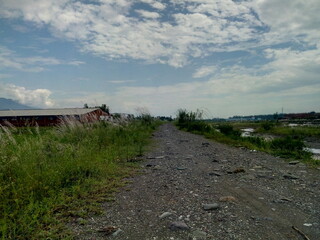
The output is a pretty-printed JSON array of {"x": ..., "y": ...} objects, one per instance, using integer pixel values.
[{"x": 49, "y": 117}]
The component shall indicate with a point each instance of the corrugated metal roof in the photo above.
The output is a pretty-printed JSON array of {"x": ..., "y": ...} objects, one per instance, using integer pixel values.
[{"x": 47, "y": 112}]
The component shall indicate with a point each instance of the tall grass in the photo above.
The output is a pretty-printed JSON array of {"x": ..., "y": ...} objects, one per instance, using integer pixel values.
[
  {"x": 46, "y": 175},
  {"x": 289, "y": 146}
]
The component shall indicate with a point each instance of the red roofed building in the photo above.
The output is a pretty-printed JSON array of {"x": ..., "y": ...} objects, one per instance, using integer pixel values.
[{"x": 50, "y": 117}]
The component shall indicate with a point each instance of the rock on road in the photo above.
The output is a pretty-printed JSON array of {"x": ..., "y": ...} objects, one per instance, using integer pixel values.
[{"x": 194, "y": 188}]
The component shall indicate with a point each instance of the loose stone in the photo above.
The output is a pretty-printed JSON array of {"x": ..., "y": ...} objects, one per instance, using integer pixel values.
[
  {"x": 178, "y": 226},
  {"x": 294, "y": 162},
  {"x": 210, "y": 206},
  {"x": 215, "y": 174},
  {"x": 165, "y": 214},
  {"x": 116, "y": 233},
  {"x": 289, "y": 176},
  {"x": 181, "y": 168}
]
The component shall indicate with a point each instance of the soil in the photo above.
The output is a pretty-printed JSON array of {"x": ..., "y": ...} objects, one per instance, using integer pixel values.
[{"x": 253, "y": 195}]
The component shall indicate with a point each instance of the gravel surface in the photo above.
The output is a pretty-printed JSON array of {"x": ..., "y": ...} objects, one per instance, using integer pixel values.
[{"x": 194, "y": 188}]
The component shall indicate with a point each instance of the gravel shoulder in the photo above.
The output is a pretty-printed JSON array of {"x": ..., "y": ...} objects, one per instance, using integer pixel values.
[{"x": 194, "y": 188}]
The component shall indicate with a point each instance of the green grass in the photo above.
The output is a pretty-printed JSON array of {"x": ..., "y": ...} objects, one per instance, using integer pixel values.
[
  {"x": 277, "y": 128},
  {"x": 50, "y": 175},
  {"x": 289, "y": 145},
  {"x": 301, "y": 131}
]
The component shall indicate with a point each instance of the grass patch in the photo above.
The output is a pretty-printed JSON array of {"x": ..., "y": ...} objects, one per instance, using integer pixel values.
[
  {"x": 301, "y": 131},
  {"x": 48, "y": 176},
  {"x": 290, "y": 145}
]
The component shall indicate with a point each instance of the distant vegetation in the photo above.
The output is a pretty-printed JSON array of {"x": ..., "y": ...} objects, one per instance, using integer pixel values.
[
  {"x": 288, "y": 144},
  {"x": 48, "y": 175}
]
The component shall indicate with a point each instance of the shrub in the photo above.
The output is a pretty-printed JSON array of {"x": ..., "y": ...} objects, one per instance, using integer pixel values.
[
  {"x": 287, "y": 144},
  {"x": 228, "y": 130},
  {"x": 191, "y": 121},
  {"x": 267, "y": 125},
  {"x": 289, "y": 147}
]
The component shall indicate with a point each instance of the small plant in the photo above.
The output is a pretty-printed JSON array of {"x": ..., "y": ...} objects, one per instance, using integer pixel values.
[{"x": 228, "y": 130}]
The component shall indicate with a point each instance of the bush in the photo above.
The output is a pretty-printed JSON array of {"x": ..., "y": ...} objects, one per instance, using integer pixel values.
[
  {"x": 290, "y": 147},
  {"x": 267, "y": 125},
  {"x": 191, "y": 121},
  {"x": 287, "y": 144},
  {"x": 228, "y": 130}
]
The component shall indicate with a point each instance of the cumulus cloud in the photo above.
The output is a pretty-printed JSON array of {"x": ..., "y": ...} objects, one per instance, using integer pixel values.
[
  {"x": 155, "y": 4},
  {"x": 195, "y": 28},
  {"x": 290, "y": 19},
  {"x": 107, "y": 29},
  {"x": 36, "y": 98}
]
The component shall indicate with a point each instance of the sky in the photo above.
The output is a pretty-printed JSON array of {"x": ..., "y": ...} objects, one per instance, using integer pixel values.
[{"x": 223, "y": 57}]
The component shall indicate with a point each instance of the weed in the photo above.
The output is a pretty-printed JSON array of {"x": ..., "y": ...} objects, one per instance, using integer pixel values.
[
  {"x": 48, "y": 175},
  {"x": 291, "y": 146}
]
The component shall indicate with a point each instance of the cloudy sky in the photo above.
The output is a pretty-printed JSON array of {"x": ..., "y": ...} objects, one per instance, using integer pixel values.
[{"x": 222, "y": 56}]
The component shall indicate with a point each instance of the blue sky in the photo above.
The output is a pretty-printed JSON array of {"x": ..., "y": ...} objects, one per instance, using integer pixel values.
[{"x": 224, "y": 57}]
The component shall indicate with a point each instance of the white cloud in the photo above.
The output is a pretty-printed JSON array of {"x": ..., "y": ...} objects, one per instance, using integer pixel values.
[
  {"x": 107, "y": 29},
  {"x": 236, "y": 91},
  {"x": 196, "y": 28},
  {"x": 75, "y": 63},
  {"x": 36, "y": 98},
  {"x": 290, "y": 19},
  {"x": 204, "y": 71},
  {"x": 289, "y": 80},
  {"x": 155, "y": 4}
]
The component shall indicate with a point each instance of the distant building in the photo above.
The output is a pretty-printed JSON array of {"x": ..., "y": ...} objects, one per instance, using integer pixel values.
[
  {"x": 50, "y": 117},
  {"x": 301, "y": 116}
]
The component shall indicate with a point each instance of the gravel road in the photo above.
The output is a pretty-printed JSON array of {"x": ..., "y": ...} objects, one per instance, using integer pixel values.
[{"x": 194, "y": 188}]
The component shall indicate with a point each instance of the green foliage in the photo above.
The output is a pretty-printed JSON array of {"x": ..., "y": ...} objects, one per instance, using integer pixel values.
[
  {"x": 291, "y": 146},
  {"x": 191, "y": 121},
  {"x": 287, "y": 143},
  {"x": 301, "y": 131},
  {"x": 44, "y": 174},
  {"x": 258, "y": 142},
  {"x": 267, "y": 125},
  {"x": 228, "y": 130}
]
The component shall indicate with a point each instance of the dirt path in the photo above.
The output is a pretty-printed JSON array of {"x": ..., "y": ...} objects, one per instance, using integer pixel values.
[{"x": 266, "y": 195}]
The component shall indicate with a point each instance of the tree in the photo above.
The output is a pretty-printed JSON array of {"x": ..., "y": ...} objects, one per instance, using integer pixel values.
[{"x": 104, "y": 108}]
